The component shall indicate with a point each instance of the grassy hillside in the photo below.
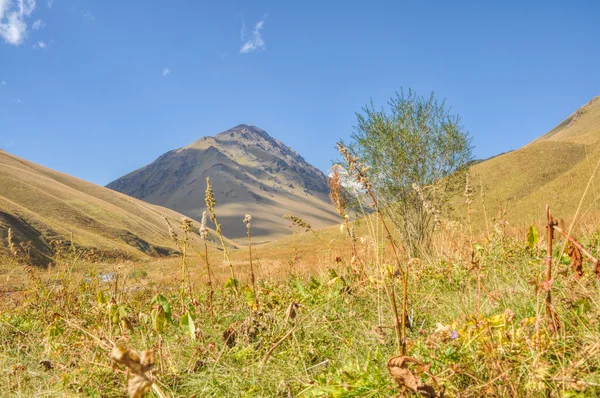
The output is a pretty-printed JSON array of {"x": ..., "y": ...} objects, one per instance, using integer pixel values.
[
  {"x": 554, "y": 169},
  {"x": 41, "y": 205}
]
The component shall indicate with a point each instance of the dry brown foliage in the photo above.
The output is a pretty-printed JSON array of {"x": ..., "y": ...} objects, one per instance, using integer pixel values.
[
  {"x": 406, "y": 378},
  {"x": 576, "y": 261},
  {"x": 139, "y": 384}
]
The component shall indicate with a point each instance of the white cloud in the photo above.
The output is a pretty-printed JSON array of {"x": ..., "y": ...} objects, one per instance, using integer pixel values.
[
  {"x": 256, "y": 42},
  {"x": 49, "y": 3},
  {"x": 13, "y": 16},
  {"x": 37, "y": 25},
  {"x": 40, "y": 44},
  {"x": 89, "y": 15},
  {"x": 3, "y": 83},
  {"x": 18, "y": 101},
  {"x": 166, "y": 71}
]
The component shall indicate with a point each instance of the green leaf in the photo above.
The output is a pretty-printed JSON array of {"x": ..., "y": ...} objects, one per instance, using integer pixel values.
[
  {"x": 114, "y": 314},
  {"x": 164, "y": 303},
  {"x": 533, "y": 237},
  {"x": 187, "y": 323},
  {"x": 54, "y": 330},
  {"x": 101, "y": 297},
  {"x": 249, "y": 296},
  {"x": 300, "y": 288},
  {"x": 159, "y": 319},
  {"x": 232, "y": 284},
  {"x": 123, "y": 311}
]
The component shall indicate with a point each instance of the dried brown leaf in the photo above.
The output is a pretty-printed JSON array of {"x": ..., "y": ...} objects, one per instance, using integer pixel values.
[
  {"x": 576, "y": 261},
  {"x": 398, "y": 368},
  {"x": 47, "y": 364},
  {"x": 229, "y": 337},
  {"x": 380, "y": 334},
  {"x": 138, "y": 385},
  {"x": 292, "y": 311}
]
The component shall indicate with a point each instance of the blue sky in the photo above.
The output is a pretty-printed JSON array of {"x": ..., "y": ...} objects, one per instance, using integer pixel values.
[{"x": 97, "y": 89}]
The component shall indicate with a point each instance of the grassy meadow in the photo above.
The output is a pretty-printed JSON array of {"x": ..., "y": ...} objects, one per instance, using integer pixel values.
[{"x": 318, "y": 322}]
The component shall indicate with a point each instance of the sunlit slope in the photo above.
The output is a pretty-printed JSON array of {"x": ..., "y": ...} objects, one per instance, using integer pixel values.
[
  {"x": 555, "y": 169},
  {"x": 40, "y": 205}
]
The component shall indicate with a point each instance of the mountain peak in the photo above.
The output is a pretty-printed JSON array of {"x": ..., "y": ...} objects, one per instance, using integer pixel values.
[
  {"x": 251, "y": 172},
  {"x": 244, "y": 131}
]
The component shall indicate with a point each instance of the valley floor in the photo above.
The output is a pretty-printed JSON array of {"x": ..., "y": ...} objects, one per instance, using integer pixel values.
[{"x": 316, "y": 326}]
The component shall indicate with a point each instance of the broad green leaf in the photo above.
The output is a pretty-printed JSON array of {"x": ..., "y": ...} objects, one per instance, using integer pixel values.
[
  {"x": 249, "y": 296},
  {"x": 533, "y": 237},
  {"x": 187, "y": 323},
  {"x": 164, "y": 303},
  {"x": 101, "y": 297},
  {"x": 113, "y": 310},
  {"x": 158, "y": 319},
  {"x": 231, "y": 283}
]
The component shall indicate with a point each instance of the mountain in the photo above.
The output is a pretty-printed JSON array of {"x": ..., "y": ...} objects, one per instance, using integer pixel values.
[
  {"x": 555, "y": 169},
  {"x": 41, "y": 205},
  {"x": 251, "y": 172}
]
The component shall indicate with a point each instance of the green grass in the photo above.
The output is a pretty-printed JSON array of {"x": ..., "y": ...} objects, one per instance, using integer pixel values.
[{"x": 69, "y": 319}]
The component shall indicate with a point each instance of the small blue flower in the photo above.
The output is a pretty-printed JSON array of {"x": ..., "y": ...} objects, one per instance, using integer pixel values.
[{"x": 454, "y": 334}]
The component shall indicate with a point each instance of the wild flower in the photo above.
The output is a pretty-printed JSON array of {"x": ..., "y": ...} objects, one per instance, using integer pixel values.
[
  {"x": 356, "y": 168},
  {"x": 210, "y": 205},
  {"x": 336, "y": 192},
  {"x": 247, "y": 220},
  {"x": 210, "y": 200},
  {"x": 172, "y": 233},
  {"x": 203, "y": 229}
]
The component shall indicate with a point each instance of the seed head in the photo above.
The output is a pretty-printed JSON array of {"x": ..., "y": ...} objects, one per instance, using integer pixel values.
[
  {"x": 172, "y": 232},
  {"x": 299, "y": 222},
  {"x": 210, "y": 200},
  {"x": 336, "y": 192},
  {"x": 468, "y": 194},
  {"x": 186, "y": 224},
  {"x": 247, "y": 220},
  {"x": 203, "y": 229},
  {"x": 356, "y": 168}
]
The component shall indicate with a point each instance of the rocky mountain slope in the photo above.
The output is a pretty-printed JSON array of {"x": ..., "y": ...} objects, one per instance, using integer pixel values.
[
  {"x": 250, "y": 171},
  {"x": 41, "y": 205},
  {"x": 555, "y": 169}
]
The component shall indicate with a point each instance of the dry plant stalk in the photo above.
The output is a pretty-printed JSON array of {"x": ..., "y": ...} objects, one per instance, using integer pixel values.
[
  {"x": 210, "y": 205},
  {"x": 359, "y": 172},
  {"x": 338, "y": 198},
  {"x": 204, "y": 237},
  {"x": 187, "y": 227},
  {"x": 468, "y": 194},
  {"x": 21, "y": 253},
  {"x": 550, "y": 313},
  {"x": 247, "y": 221},
  {"x": 182, "y": 245}
]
